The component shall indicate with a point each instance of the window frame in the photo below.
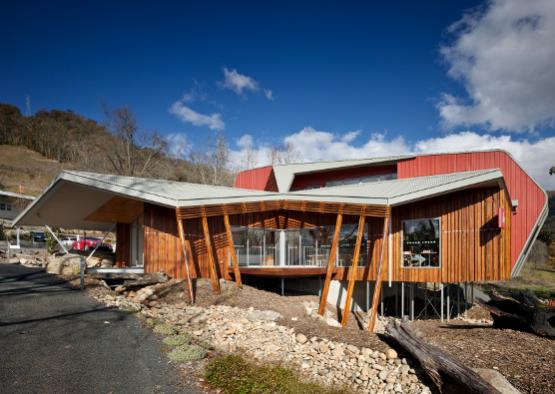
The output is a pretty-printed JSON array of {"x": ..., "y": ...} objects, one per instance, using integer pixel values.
[{"x": 440, "y": 246}]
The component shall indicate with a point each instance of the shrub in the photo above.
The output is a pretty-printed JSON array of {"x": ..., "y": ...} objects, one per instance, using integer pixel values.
[
  {"x": 186, "y": 353},
  {"x": 234, "y": 374},
  {"x": 2, "y": 232},
  {"x": 165, "y": 329},
  {"x": 177, "y": 340}
]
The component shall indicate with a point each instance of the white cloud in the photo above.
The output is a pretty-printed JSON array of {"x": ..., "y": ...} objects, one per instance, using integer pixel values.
[
  {"x": 269, "y": 94},
  {"x": 188, "y": 115},
  {"x": 237, "y": 82},
  {"x": 241, "y": 84},
  {"x": 178, "y": 145},
  {"x": 309, "y": 145},
  {"x": 504, "y": 55}
]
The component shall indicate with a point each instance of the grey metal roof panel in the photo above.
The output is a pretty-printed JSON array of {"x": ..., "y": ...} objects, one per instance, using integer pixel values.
[
  {"x": 399, "y": 191},
  {"x": 285, "y": 173},
  {"x": 63, "y": 200},
  {"x": 171, "y": 193}
]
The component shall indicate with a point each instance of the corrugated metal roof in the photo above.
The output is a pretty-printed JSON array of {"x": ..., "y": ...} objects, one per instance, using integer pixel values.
[
  {"x": 70, "y": 185},
  {"x": 160, "y": 191},
  {"x": 285, "y": 173},
  {"x": 399, "y": 191}
]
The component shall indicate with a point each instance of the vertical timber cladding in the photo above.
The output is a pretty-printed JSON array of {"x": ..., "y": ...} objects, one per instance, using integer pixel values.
[
  {"x": 163, "y": 249},
  {"x": 473, "y": 247},
  {"x": 521, "y": 187}
]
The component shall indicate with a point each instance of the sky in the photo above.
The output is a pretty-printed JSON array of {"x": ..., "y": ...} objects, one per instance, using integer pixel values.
[{"x": 309, "y": 81}]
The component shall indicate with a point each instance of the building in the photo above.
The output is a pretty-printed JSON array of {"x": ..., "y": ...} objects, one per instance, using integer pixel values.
[
  {"x": 12, "y": 204},
  {"x": 344, "y": 229}
]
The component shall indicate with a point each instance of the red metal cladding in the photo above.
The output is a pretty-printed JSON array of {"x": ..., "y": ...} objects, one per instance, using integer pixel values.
[
  {"x": 531, "y": 198},
  {"x": 257, "y": 179},
  {"x": 319, "y": 179}
]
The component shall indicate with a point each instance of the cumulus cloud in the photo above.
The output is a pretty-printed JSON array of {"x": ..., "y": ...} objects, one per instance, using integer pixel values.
[
  {"x": 269, "y": 94},
  {"x": 241, "y": 84},
  {"x": 309, "y": 145},
  {"x": 178, "y": 145},
  {"x": 187, "y": 115},
  {"x": 503, "y": 54},
  {"x": 237, "y": 82}
]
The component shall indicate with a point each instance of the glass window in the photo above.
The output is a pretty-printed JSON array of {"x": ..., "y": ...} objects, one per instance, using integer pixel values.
[
  {"x": 8, "y": 207},
  {"x": 363, "y": 179},
  {"x": 2, "y": 206},
  {"x": 421, "y": 244},
  {"x": 347, "y": 241}
]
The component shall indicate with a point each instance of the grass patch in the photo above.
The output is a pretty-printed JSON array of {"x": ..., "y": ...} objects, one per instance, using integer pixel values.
[
  {"x": 186, "y": 353},
  {"x": 165, "y": 329},
  {"x": 177, "y": 340},
  {"x": 234, "y": 374},
  {"x": 540, "y": 281}
]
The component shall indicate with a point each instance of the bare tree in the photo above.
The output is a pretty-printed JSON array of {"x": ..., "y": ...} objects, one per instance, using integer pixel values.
[{"x": 134, "y": 152}]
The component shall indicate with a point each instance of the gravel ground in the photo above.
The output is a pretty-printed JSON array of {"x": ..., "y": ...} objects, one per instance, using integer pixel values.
[
  {"x": 526, "y": 360},
  {"x": 293, "y": 312}
]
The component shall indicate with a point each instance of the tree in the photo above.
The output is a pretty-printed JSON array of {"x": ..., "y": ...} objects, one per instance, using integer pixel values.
[
  {"x": 552, "y": 171},
  {"x": 133, "y": 153}
]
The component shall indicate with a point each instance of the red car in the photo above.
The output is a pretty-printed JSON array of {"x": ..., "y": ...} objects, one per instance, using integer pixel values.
[{"x": 90, "y": 243}]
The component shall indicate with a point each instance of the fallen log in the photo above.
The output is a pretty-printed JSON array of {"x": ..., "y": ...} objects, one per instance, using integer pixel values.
[
  {"x": 448, "y": 374},
  {"x": 156, "y": 291},
  {"x": 521, "y": 311},
  {"x": 142, "y": 281}
]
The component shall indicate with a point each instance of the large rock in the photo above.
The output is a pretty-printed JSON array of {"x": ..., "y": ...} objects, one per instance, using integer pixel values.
[
  {"x": 69, "y": 264},
  {"x": 263, "y": 315}
]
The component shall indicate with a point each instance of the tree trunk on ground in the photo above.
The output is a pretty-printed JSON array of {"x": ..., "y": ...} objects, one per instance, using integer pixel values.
[
  {"x": 143, "y": 281},
  {"x": 448, "y": 374},
  {"x": 522, "y": 311}
]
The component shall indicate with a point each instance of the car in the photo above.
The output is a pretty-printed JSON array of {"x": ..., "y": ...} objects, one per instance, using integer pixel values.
[
  {"x": 39, "y": 236},
  {"x": 68, "y": 240},
  {"x": 89, "y": 243}
]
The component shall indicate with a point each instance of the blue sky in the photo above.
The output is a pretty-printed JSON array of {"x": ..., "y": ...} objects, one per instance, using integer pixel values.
[{"x": 355, "y": 79}]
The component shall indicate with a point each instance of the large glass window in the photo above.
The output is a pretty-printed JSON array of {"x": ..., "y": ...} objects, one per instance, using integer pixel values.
[
  {"x": 347, "y": 241},
  {"x": 421, "y": 244}
]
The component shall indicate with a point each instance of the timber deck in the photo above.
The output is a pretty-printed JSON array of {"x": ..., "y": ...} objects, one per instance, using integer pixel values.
[{"x": 283, "y": 272}]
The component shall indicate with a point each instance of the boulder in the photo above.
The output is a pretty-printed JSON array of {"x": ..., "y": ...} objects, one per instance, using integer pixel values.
[{"x": 263, "y": 315}]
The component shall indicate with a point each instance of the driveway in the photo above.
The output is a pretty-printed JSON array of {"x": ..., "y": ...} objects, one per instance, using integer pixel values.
[{"x": 54, "y": 339}]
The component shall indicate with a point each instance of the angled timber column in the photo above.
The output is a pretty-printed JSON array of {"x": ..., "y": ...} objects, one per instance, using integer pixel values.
[
  {"x": 234, "y": 262},
  {"x": 353, "y": 271},
  {"x": 379, "y": 275},
  {"x": 211, "y": 260},
  {"x": 184, "y": 245},
  {"x": 331, "y": 264}
]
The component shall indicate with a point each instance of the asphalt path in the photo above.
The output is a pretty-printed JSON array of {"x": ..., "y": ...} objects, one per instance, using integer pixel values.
[{"x": 54, "y": 339}]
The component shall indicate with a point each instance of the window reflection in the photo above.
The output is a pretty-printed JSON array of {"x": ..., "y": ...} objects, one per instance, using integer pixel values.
[{"x": 421, "y": 244}]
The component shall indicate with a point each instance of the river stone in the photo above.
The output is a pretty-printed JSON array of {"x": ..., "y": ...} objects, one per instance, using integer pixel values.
[
  {"x": 391, "y": 354},
  {"x": 301, "y": 338}
]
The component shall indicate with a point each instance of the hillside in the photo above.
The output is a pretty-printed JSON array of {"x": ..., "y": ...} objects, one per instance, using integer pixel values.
[
  {"x": 33, "y": 149},
  {"x": 20, "y": 165}
]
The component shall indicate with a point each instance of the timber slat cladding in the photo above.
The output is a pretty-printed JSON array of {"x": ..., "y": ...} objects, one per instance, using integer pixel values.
[
  {"x": 473, "y": 248},
  {"x": 470, "y": 239},
  {"x": 303, "y": 206}
]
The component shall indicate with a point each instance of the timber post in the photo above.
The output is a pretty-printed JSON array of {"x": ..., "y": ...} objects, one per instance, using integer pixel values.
[
  {"x": 353, "y": 271},
  {"x": 331, "y": 264},
  {"x": 211, "y": 260},
  {"x": 185, "y": 257},
  {"x": 232, "y": 252},
  {"x": 379, "y": 277}
]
